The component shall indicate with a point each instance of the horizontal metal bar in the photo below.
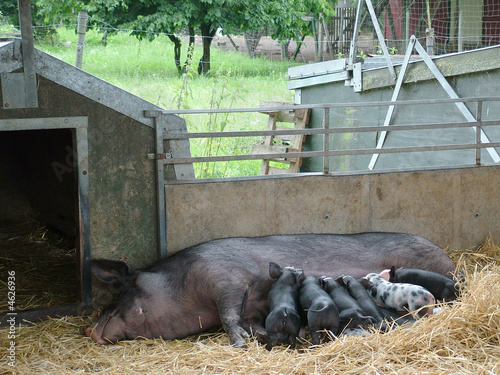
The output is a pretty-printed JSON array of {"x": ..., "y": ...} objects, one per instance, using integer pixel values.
[
  {"x": 312, "y": 154},
  {"x": 311, "y": 131},
  {"x": 44, "y": 123},
  {"x": 326, "y": 105}
]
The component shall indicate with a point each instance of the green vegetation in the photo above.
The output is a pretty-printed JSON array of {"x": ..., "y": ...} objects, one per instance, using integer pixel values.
[
  {"x": 284, "y": 19},
  {"x": 145, "y": 69}
]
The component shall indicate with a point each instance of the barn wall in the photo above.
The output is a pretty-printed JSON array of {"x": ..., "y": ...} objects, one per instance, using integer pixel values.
[
  {"x": 121, "y": 177},
  {"x": 452, "y": 207}
]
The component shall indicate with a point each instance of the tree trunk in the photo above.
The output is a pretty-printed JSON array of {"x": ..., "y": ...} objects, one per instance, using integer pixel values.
[
  {"x": 252, "y": 39},
  {"x": 177, "y": 51},
  {"x": 207, "y": 36}
]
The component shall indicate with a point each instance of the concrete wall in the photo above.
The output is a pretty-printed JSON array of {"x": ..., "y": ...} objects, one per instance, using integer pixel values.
[{"x": 452, "y": 207}]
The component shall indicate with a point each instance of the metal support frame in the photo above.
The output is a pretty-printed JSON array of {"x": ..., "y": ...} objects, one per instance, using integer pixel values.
[
  {"x": 395, "y": 94},
  {"x": 28, "y": 48},
  {"x": 167, "y": 124},
  {"x": 415, "y": 44},
  {"x": 381, "y": 40},
  {"x": 79, "y": 126},
  {"x": 380, "y": 36},
  {"x": 326, "y": 142},
  {"x": 161, "y": 215},
  {"x": 354, "y": 42}
]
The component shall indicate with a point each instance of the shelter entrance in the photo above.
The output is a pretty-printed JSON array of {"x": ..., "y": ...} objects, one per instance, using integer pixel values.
[{"x": 44, "y": 239}]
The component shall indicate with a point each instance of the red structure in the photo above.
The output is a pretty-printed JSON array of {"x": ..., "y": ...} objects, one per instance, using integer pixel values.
[{"x": 457, "y": 25}]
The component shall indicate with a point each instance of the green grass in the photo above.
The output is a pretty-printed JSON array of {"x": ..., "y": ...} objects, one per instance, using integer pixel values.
[{"x": 147, "y": 70}]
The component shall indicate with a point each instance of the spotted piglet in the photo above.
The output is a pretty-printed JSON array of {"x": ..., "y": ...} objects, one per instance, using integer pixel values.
[
  {"x": 399, "y": 296},
  {"x": 283, "y": 322},
  {"x": 442, "y": 288}
]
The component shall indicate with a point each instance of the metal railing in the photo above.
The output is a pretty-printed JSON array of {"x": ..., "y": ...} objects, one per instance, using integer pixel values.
[{"x": 326, "y": 153}]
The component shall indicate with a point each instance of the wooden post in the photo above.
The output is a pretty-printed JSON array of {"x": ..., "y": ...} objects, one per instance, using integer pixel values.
[
  {"x": 81, "y": 30},
  {"x": 429, "y": 41}
]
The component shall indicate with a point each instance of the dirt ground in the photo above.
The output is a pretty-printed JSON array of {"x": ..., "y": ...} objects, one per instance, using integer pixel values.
[{"x": 271, "y": 49}]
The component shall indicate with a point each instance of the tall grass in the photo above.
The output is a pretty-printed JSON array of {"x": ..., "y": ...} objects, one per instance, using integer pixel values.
[{"x": 147, "y": 70}]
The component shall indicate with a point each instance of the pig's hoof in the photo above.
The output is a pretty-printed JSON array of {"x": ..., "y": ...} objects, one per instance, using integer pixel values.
[
  {"x": 240, "y": 343},
  {"x": 238, "y": 338}
]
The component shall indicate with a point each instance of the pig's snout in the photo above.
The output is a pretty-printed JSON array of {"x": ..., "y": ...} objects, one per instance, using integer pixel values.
[{"x": 91, "y": 332}]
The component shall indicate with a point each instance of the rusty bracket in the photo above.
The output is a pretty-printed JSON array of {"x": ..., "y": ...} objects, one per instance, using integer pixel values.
[{"x": 161, "y": 156}]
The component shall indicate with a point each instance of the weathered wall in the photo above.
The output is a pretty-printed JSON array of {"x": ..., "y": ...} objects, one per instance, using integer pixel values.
[
  {"x": 122, "y": 181},
  {"x": 452, "y": 207}
]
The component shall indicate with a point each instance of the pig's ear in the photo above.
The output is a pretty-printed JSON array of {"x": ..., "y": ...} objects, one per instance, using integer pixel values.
[
  {"x": 274, "y": 270},
  {"x": 365, "y": 282},
  {"x": 323, "y": 281},
  {"x": 111, "y": 271},
  {"x": 340, "y": 280},
  {"x": 393, "y": 272},
  {"x": 300, "y": 277}
]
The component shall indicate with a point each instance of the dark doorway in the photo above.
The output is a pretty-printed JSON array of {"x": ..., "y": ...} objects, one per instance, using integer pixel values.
[{"x": 39, "y": 236}]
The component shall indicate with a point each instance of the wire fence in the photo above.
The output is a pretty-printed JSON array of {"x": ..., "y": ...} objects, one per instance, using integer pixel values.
[{"x": 455, "y": 26}]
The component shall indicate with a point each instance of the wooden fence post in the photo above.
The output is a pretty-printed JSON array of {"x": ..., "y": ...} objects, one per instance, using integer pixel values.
[{"x": 81, "y": 30}]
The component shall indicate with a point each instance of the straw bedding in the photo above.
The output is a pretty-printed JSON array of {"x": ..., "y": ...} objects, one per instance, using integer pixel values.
[
  {"x": 46, "y": 269},
  {"x": 461, "y": 339}
]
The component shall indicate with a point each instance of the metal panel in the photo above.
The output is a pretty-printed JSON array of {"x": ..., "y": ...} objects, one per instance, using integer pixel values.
[{"x": 13, "y": 95}]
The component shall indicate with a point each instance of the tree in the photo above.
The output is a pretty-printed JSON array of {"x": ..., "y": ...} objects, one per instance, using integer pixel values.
[
  {"x": 9, "y": 13},
  {"x": 150, "y": 18}
]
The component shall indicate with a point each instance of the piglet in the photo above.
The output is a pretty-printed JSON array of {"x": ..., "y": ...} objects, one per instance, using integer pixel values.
[
  {"x": 360, "y": 294},
  {"x": 350, "y": 312},
  {"x": 322, "y": 313},
  {"x": 283, "y": 322},
  {"x": 442, "y": 288},
  {"x": 399, "y": 296}
]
